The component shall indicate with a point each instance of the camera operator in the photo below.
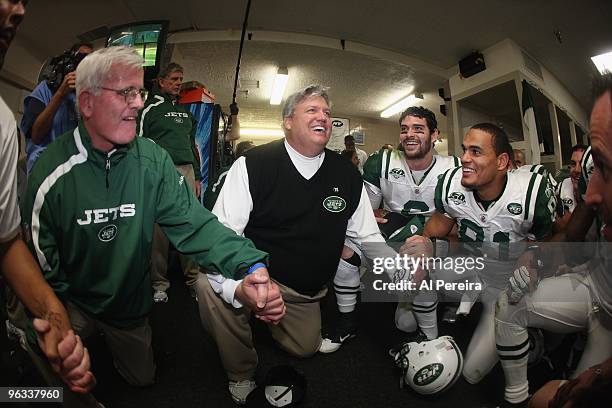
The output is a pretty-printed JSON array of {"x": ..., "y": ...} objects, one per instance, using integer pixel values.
[{"x": 49, "y": 111}]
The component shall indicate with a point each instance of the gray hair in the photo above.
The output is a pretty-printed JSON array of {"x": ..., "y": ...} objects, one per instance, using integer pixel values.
[
  {"x": 299, "y": 96},
  {"x": 95, "y": 69},
  {"x": 168, "y": 69}
]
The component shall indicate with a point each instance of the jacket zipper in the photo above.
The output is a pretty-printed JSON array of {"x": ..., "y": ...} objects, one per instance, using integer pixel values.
[{"x": 108, "y": 157}]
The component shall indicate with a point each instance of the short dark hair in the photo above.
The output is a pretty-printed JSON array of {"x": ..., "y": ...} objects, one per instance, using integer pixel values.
[
  {"x": 243, "y": 147},
  {"x": 423, "y": 113},
  {"x": 500, "y": 141},
  {"x": 349, "y": 137},
  {"x": 170, "y": 68},
  {"x": 601, "y": 84},
  {"x": 578, "y": 147}
]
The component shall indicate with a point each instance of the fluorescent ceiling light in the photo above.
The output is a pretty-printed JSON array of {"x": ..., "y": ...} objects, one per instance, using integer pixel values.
[
  {"x": 278, "y": 88},
  {"x": 261, "y": 132},
  {"x": 603, "y": 62},
  {"x": 400, "y": 105}
]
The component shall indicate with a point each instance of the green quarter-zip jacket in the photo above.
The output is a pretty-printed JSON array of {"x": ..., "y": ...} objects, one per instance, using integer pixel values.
[
  {"x": 172, "y": 127},
  {"x": 91, "y": 216}
]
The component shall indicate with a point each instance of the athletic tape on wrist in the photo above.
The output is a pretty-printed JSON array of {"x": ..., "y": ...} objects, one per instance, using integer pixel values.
[{"x": 255, "y": 267}]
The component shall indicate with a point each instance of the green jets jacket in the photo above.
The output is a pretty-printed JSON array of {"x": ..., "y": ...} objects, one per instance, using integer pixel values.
[
  {"x": 172, "y": 127},
  {"x": 91, "y": 216}
]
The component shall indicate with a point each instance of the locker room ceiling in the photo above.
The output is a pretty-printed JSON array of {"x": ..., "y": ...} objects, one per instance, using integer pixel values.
[{"x": 426, "y": 40}]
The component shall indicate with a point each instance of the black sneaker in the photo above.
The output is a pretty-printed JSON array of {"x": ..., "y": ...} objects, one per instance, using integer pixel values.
[{"x": 344, "y": 331}]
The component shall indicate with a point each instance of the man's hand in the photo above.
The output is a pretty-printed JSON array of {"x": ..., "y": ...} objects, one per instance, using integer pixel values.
[
  {"x": 68, "y": 84},
  {"x": 275, "y": 306},
  {"x": 198, "y": 188},
  {"x": 262, "y": 296},
  {"x": 591, "y": 385},
  {"x": 379, "y": 215},
  {"x": 417, "y": 246},
  {"x": 67, "y": 356},
  {"x": 525, "y": 277}
]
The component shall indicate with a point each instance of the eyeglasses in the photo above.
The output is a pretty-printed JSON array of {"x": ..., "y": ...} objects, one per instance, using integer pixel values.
[{"x": 129, "y": 94}]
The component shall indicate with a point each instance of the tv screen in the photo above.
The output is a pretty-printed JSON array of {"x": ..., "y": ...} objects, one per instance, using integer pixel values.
[{"x": 146, "y": 37}]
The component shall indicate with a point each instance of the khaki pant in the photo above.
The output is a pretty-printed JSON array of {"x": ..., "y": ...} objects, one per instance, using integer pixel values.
[
  {"x": 159, "y": 264},
  {"x": 298, "y": 333},
  {"x": 131, "y": 350}
]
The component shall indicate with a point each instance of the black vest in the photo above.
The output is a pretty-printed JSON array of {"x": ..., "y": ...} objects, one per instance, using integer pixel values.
[{"x": 300, "y": 223}]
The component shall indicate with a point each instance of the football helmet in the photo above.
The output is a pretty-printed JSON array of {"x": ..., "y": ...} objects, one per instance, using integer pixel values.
[{"x": 430, "y": 367}]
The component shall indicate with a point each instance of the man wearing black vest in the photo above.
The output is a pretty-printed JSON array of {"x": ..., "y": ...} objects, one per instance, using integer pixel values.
[{"x": 296, "y": 200}]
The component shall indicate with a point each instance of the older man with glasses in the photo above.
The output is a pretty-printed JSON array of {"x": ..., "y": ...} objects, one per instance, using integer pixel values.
[{"x": 92, "y": 201}]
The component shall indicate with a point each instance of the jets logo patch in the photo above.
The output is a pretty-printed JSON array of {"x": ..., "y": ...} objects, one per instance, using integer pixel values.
[
  {"x": 334, "y": 204},
  {"x": 515, "y": 208},
  {"x": 108, "y": 233},
  {"x": 457, "y": 198},
  {"x": 397, "y": 173}
]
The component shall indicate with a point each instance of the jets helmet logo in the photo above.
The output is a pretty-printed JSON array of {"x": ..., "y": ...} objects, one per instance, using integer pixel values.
[
  {"x": 334, "y": 204},
  {"x": 397, "y": 173},
  {"x": 428, "y": 374},
  {"x": 515, "y": 208},
  {"x": 457, "y": 198}
]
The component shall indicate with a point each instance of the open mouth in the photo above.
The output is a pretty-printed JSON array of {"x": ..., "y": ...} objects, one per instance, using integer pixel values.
[{"x": 319, "y": 129}]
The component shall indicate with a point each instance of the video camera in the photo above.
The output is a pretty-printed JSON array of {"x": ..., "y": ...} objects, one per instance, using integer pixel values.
[{"x": 56, "y": 68}]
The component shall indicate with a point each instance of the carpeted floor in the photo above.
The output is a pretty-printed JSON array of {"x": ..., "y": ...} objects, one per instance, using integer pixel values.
[{"x": 360, "y": 374}]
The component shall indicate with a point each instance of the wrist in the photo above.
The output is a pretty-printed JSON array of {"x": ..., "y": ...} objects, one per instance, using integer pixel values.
[{"x": 255, "y": 266}]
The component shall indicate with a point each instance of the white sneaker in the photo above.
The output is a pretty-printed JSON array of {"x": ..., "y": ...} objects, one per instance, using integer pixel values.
[
  {"x": 160, "y": 296},
  {"x": 240, "y": 390}
]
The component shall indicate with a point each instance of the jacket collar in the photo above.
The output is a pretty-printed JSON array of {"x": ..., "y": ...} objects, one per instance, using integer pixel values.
[
  {"x": 164, "y": 95},
  {"x": 94, "y": 155}
]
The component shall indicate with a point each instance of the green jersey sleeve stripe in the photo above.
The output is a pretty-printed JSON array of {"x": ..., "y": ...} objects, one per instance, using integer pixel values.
[
  {"x": 387, "y": 163},
  {"x": 372, "y": 169},
  {"x": 529, "y": 192},
  {"x": 448, "y": 183},
  {"x": 438, "y": 193},
  {"x": 456, "y": 160}
]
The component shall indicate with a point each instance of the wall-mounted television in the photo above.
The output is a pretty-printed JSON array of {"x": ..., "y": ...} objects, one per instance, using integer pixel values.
[{"x": 148, "y": 37}]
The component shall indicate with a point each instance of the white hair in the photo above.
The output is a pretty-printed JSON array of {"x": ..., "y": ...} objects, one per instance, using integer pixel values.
[{"x": 95, "y": 69}]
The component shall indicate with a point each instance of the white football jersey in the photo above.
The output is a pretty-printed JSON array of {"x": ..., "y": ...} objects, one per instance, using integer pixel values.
[
  {"x": 537, "y": 168},
  {"x": 587, "y": 167},
  {"x": 524, "y": 211},
  {"x": 565, "y": 193},
  {"x": 389, "y": 179}
]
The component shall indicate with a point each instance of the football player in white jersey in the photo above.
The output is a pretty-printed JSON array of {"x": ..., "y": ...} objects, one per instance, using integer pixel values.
[
  {"x": 576, "y": 301},
  {"x": 497, "y": 212},
  {"x": 403, "y": 180},
  {"x": 567, "y": 190}
]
